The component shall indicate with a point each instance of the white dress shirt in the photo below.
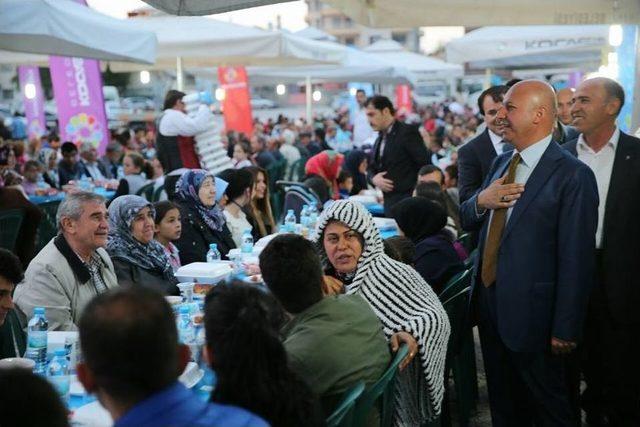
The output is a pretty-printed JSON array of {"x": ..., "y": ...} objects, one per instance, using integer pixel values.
[
  {"x": 174, "y": 122},
  {"x": 362, "y": 132},
  {"x": 601, "y": 163},
  {"x": 94, "y": 171},
  {"x": 497, "y": 141}
]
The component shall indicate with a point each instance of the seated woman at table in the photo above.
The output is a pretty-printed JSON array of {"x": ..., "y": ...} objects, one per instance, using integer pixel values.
[
  {"x": 259, "y": 210},
  {"x": 33, "y": 179},
  {"x": 138, "y": 260},
  {"x": 241, "y": 153},
  {"x": 423, "y": 221},
  {"x": 238, "y": 317},
  {"x": 136, "y": 171},
  {"x": 350, "y": 245},
  {"x": 238, "y": 197},
  {"x": 202, "y": 219},
  {"x": 48, "y": 158},
  {"x": 356, "y": 163},
  {"x": 322, "y": 172}
]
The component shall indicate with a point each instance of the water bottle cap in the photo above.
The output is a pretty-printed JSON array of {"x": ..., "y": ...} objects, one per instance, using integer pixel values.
[
  {"x": 184, "y": 309},
  {"x": 60, "y": 352},
  {"x": 213, "y": 246},
  {"x": 290, "y": 211},
  {"x": 38, "y": 310}
]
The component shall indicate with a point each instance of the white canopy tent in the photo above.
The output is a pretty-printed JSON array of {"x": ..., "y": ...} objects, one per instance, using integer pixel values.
[
  {"x": 422, "y": 66},
  {"x": 67, "y": 28},
  {"x": 475, "y": 13},
  {"x": 204, "y": 42},
  {"x": 530, "y": 47},
  {"x": 206, "y": 7}
]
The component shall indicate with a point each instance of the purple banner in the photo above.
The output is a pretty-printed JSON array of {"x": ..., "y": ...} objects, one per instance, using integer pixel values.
[
  {"x": 77, "y": 87},
  {"x": 33, "y": 98}
]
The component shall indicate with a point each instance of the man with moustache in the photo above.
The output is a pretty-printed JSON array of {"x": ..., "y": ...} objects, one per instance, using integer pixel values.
[
  {"x": 564, "y": 131},
  {"x": 73, "y": 267},
  {"x": 475, "y": 157},
  {"x": 537, "y": 212},
  {"x": 612, "y": 349}
]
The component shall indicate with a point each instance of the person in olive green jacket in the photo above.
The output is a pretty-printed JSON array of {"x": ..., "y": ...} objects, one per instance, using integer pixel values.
[
  {"x": 332, "y": 342},
  {"x": 12, "y": 337}
]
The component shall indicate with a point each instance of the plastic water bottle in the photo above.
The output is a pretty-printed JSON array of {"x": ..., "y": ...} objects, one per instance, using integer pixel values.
[
  {"x": 37, "y": 339},
  {"x": 290, "y": 222},
  {"x": 58, "y": 373},
  {"x": 304, "y": 216},
  {"x": 247, "y": 241},
  {"x": 213, "y": 255},
  {"x": 313, "y": 216},
  {"x": 186, "y": 331}
]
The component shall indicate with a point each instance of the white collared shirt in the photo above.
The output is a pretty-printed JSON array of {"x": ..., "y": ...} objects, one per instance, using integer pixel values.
[
  {"x": 362, "y": 132},
  {"x": 601, "y": 163},
  {"x": 497, "y": 141},
  {"x": 94, "y": 171}
]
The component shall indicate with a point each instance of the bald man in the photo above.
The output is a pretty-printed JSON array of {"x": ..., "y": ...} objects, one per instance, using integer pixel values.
[
  {"x": 564, "y": 132},
  {"x": 611, "y": 348},
  {"x": 537, "y": 211}
]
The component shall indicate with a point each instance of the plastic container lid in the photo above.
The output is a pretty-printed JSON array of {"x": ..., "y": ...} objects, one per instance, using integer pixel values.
[
  {"x": 213, "y": 246},
  {"x": 60, "y": 352},
  {"x": 38, "y": 310}
]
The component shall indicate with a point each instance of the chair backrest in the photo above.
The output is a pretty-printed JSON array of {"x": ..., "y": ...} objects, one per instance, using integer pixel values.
[
  {"x": 10, "y": 222},
  {"x": 342, "y": 416},
  {"x": 456, "y": 283},
  {"x": 48, "y": 228},
  {"x": 457, "y": 308},
  {"x": 158, "y": 193},
  {"x": 296, "y": 195},
  {"x": 466, "y": 241},
  {"x": 381, "y": 393},
  {"x": 146, "y": 191},
  {"x": 468, "y": 263},
  {"x": 296, "y": 172}
]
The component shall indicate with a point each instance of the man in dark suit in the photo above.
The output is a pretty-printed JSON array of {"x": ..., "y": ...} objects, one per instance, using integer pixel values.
[
  {"x": 475, "y": 157},
  {"x": 564, "y": 132},
  {"x": 537, "y": 211},
  {"x": 89, "y": 164},
  {"x": 398, "y": 153},
  {"x": 612, "y": 329}
]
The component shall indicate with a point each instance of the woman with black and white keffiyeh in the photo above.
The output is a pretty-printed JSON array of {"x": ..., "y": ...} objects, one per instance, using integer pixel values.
[{"x": 352, "y": 252}]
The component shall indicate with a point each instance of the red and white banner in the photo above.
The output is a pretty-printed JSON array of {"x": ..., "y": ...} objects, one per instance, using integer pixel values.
[
  {"x": 404, "y": 104},
  {"x": 237, "y": 100}
]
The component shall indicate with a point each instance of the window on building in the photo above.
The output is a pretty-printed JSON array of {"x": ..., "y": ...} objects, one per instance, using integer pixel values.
[
  {"x": 400, "y": 38},
  {"x": 350, "y": 41}
]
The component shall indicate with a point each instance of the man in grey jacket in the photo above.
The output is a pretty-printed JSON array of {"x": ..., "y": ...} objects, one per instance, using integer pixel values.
[{"x": 73, "y": 267}]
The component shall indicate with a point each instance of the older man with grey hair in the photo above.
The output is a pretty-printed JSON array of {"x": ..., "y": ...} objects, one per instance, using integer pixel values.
[
  {"x": 73, "y": 267},
  {"x": 89, "y": 164}
]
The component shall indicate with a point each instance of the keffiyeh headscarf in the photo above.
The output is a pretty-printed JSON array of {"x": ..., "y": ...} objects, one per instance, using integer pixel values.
[
  {"x": 403, "y": 301},
  {"x": 121, "y": 243},
  {"x": 187, "y": 189}
]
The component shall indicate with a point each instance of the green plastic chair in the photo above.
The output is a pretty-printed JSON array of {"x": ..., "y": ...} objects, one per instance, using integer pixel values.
[
  {"x": 468, "y": 263},
  {"x": 146, "y": 191},
  {"x": 457, "y": 308},
  {"x": 158, "y": 193},
  {"x": 48, "y": 228},
  {"x": 10, "y": 222},
  {"x": 465, "y": 240},
  {"x": 342, "y": 416},
  {"x": 296, "y": 173},
  {"x": 380, "y": 394},
  {"x": 456, "y": 283}
]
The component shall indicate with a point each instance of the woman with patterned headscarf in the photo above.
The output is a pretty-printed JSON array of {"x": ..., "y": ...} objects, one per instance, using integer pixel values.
[
  {"x": 322, "y": 173},
  {"x": 352, "y": 251},
  {"x": 137, "y": 258},
  {"x": 203, "y": 222},
  {"x": 48, "y": 157}
]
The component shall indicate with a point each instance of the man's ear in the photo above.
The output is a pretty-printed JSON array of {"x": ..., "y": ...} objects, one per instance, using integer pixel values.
[{"x": 85, "y": 376}]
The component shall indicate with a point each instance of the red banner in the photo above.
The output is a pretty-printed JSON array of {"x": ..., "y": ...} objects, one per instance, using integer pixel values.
[
  {"x": 237, "y": 100},
  {"x": 404, "y": 105}
]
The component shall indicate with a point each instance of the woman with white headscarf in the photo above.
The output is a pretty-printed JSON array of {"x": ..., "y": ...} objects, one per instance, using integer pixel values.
[{"x": 352, "y": 251}]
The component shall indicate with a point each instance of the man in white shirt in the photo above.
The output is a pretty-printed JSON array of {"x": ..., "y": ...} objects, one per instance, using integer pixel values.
[
  {"x": 612, "y": 348},
  {"x": 363, "y": 134},
  {"x": 174, "y": 143},
  {"x": 475, "y": 157}
]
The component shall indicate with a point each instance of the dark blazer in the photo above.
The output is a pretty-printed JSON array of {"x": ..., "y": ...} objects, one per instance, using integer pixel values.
[
  {"x": 404, "y": 154},
  {"x": 474, "y": 162},
  {"x": 196, "y": 237},
  {"x": 437, "y": 261},
  {"x": 133, "y": 275},
  {"x": 546, "y": 260},
  {"x": 621, "y": 231},
  {"x": 82, "y": 168}
]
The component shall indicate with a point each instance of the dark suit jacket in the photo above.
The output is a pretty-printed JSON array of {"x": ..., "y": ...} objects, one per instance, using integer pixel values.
[
  {"x": 621, "y": 231},
  {"x": 83, "y": 171},
  {"x": 404, "y": 154},
  {"x": 474, "y": 162},
  {"x": 546, "y": 259}
]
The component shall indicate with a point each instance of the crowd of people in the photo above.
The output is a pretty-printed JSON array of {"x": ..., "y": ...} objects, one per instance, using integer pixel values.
[{"x": 544, "y": 181}]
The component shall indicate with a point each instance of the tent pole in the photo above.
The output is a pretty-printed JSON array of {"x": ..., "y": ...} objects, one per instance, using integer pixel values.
[
  {"x": 308, "y": 98},
  {"x": 179, "y": 74},
  {"x": 487, "y": 78}
]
